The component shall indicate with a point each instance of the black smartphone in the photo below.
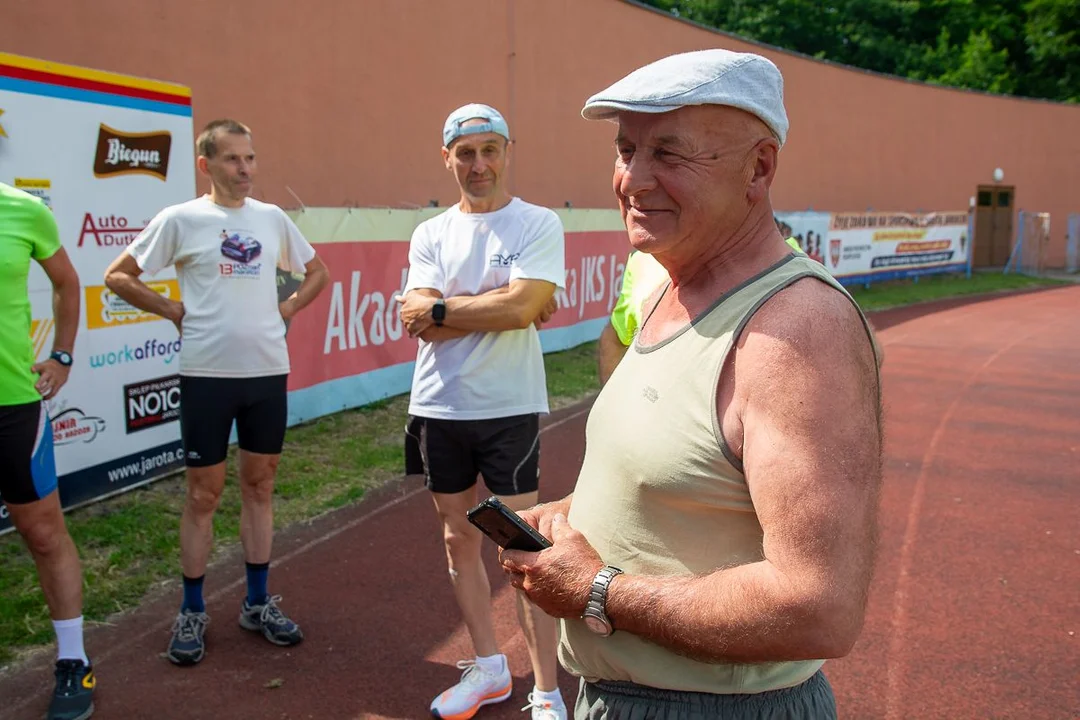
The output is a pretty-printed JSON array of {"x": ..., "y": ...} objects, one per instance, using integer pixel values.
[{"x": 505, "y": 527}]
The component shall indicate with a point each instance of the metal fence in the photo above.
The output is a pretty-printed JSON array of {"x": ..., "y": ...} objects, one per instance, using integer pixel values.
[{"x": 1028, "y": 255}]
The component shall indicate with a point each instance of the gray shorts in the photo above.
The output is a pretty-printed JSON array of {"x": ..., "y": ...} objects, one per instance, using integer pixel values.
[{"x": 812, "y": 700}]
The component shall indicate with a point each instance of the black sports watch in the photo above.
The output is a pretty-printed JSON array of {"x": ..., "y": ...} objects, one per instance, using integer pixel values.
[
  {"x": 438, "y": 312},
  {"x": 64, "y": 358}
]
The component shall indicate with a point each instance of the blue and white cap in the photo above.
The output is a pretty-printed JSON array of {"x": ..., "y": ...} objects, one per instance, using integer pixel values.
[
  {"x": 493, "y": 122},
  {"x": 705, "y": 77}
]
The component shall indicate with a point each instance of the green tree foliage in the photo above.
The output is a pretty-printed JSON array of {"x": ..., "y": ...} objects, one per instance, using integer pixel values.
[{"x": 1029, "y": 48}]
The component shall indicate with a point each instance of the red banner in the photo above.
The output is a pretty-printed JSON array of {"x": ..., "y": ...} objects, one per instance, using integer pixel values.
[{"x": 353, "y": 326}]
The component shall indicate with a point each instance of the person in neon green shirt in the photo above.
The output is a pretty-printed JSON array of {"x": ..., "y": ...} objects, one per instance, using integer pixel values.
[
  {"x": 28, "y": 482},
  {"x": 641, "y": 278},
  {"x": 643, "y": 275}
]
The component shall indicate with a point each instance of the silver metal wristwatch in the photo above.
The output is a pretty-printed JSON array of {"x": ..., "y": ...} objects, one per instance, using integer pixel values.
[{"x": 594, "y": 616}]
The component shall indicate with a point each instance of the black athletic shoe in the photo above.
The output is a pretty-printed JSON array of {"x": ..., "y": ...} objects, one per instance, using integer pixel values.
[
  {"x": 73, "y": 698},
  {"x": 187, "y": 646}
]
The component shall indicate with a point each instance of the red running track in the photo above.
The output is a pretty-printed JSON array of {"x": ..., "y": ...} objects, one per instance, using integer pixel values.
[{"x": 974, "y": 612}]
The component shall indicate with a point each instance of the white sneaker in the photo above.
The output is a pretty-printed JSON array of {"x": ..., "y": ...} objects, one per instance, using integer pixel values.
[
  {"x": 545, "y": 709},
  {"x": 476, "y": 688}
]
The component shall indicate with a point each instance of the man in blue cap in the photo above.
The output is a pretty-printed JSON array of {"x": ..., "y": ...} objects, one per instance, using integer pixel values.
[
  {"x": 719, "y": 544},
  {"x": 482, "y": 277}
]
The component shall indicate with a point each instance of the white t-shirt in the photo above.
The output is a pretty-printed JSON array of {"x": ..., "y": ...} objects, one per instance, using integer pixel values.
[
  {"x": 226, "y": 261},
  {"x": 494, "y": 374}
]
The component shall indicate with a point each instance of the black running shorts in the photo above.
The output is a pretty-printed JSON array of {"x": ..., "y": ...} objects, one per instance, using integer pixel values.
[
  {"x": 210, "y": 405},
  {"x": 451, "y": 453},
  {"x": 27, "y": 462}
]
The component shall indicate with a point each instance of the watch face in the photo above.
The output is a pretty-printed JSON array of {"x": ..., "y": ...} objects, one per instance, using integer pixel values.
[{"x": 596, "y": 625}]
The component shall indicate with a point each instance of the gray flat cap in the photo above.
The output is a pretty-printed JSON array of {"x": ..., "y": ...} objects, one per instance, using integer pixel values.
[{"x": 706, "y": 77}]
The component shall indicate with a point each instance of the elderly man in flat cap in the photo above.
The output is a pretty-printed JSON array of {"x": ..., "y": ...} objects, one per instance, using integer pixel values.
[{"x": 719, "y": 545}]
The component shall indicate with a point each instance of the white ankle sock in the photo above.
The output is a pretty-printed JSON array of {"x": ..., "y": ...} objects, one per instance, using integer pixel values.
[
  {"x": 492, "y": 664},
  {"x": 554, "y": 697},
  {"x": 69, "y": 640}
]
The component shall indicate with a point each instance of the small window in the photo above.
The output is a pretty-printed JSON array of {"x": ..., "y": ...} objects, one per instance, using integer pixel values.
[
  {"x": 1004, "y": 198},
  {"x": 986, "y": 198}
]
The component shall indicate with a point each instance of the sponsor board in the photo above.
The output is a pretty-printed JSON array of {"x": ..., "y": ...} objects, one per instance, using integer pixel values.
[
  {"x": 108, "y": 230},
  {"x": 38, "y": 187},
  {"x": 165, "y": 350},
  {"x": 102, "y": 160},
  {"x": 863, "y": 245},
  {"x": 128, "y": 153},
  {"x": 73, "y": 425},
  {"x": 106, "y": 309},
  {"x": 151, "y": 403}
]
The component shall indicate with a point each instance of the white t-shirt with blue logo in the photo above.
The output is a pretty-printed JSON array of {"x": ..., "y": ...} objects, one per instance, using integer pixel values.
[
  {"x": 226, "y": 263},
  {"x": 483, "y": 375}
]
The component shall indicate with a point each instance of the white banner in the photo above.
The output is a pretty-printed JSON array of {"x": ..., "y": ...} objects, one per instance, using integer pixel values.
[
  {"x": 809, "y": 228},
  {"x": 106, "y": 153},
  {"x": 868, "y": 247}
]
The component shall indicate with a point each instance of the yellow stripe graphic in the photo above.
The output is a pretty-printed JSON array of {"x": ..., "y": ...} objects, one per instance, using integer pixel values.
[
  {"x": 40, "y": 330},
  {"x": 75, "y": 71}
]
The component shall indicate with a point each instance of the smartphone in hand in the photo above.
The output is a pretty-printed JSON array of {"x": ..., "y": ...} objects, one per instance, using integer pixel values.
[{"x": 505, "y": 527}]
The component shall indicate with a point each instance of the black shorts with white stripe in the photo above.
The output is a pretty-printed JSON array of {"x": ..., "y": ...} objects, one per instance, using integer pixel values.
[{"x": 450, "y": 454}]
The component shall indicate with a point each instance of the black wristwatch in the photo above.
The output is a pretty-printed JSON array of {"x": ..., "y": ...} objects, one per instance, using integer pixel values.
[
  {"x": 438, "y": 312},
  {"x": 61, "y": 357}
]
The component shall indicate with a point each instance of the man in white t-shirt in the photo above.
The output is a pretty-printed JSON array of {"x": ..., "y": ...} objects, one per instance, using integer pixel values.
[
  {"x": 234, "y": 362},
  {"x": 482, "y": 276}
]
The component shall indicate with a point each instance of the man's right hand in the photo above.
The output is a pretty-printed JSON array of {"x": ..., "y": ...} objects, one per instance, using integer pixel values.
[
  {"x": 176, "y": 315},
  {"x": 546, "y": 313}
]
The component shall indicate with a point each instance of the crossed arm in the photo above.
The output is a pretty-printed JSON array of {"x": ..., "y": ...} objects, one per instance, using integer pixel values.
[
  {"x": 512, "y": 307},
  {"x": 805, "y": 417}
]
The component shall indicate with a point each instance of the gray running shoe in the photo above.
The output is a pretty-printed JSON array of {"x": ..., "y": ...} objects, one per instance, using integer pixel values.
[
  {"x": 270, "y": 621},
  {"x": 187, "y": 646}
]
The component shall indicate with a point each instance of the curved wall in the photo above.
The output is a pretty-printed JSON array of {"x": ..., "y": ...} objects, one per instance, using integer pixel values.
[{"x": 347, "y": 104}]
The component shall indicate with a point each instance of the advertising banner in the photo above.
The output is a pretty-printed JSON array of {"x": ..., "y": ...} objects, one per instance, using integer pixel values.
[
  {"x": 876, "y": 246},
  {"x": 809, "y": 228},
  {"x": 105, "y": 152},
  {"x": 348, "y": 348}
]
